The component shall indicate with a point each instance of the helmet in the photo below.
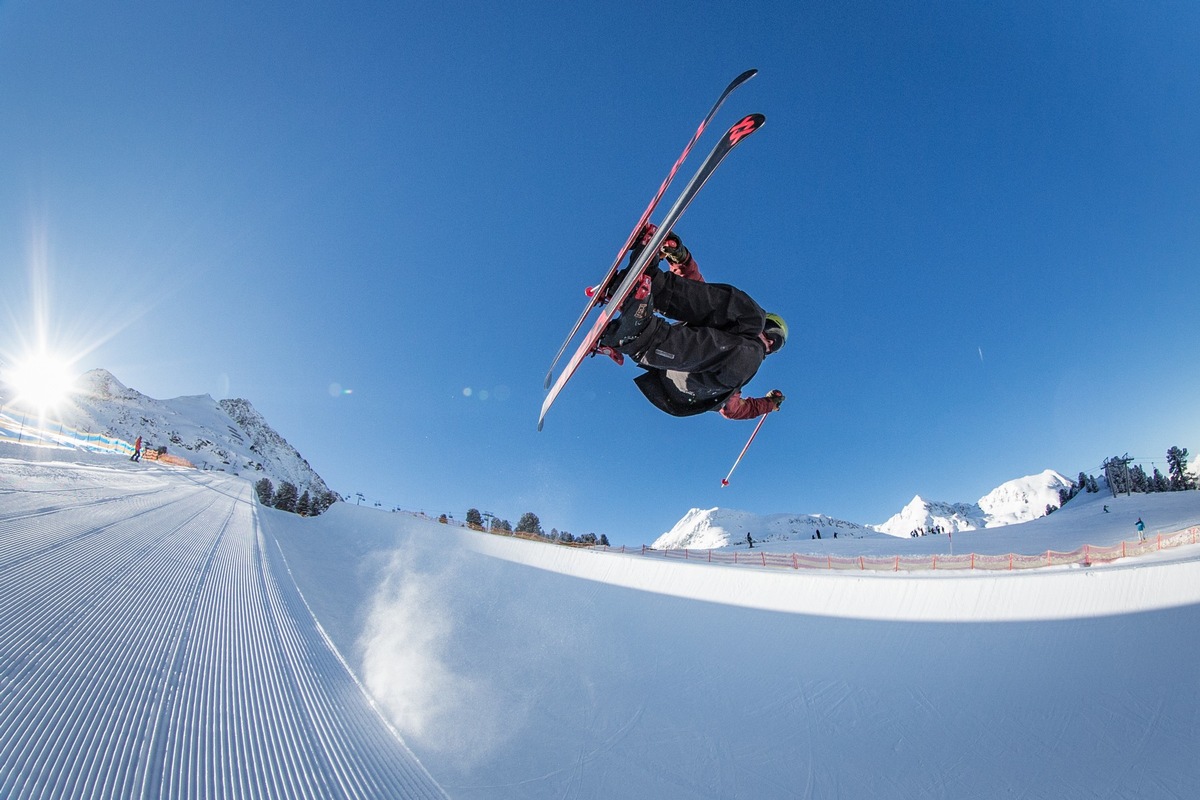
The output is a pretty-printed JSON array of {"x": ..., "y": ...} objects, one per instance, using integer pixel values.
[{"x": 775, "y": 330}]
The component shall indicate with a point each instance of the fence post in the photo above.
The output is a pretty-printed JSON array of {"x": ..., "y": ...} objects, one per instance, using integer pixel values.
[
  {"x": 1010, "y": 561},
  {"x": 972, "y": 561},
  {"x": 1160, "y": 541},
  {"x": 735, "y": 556},
  {"x": 763, "y": 553},
  {"x": 710, "y": 555},
  {"x": 935, "y": 560},
  {"x": 861, "y": 563},
  {"x": 685, "y": 554},
  {"x": 829, "y": 562},
  {"x": 795, "y": 561},
  {"x": 896, "y": 567}
]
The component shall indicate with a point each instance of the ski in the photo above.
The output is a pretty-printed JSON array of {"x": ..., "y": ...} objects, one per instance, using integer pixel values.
[
  {"x": 739, "y": 131},
  {"x": 595, "y": 296}
]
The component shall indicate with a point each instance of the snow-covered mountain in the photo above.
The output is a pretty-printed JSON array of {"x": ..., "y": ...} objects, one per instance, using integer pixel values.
[
  {"x": 1017, "y": 500},
  {"x": 228, "y": 435},
  {"x": 710, "y": 528}
]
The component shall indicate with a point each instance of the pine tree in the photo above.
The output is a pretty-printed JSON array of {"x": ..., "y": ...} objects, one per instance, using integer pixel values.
[
  {"x": 304, "y": 504},
  {"x": 322, "y": 501},
  {"x": 1138, "y": 479},
  {"x": 1177, "y": 460},
  {"x": 529, "y": 523},
  {"x": 285, "y": 498},
  {"x": 265, "y": 491},
  {"x": 604, "y": 539},
  {"x": 474, "y": 519}
]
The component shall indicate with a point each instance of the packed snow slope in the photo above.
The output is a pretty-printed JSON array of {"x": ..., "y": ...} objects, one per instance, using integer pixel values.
[
  {"x": 152, "y": 644},
  {"x": 156, "y": 638}
]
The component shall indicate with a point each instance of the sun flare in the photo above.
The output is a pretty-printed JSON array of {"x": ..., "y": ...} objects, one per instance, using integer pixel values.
[{"x": 40, "y": 382}]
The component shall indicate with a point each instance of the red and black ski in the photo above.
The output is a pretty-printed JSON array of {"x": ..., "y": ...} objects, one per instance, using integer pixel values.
[
  {"x": 739, "y": 131},
  {"x": 595, "y": 296}
]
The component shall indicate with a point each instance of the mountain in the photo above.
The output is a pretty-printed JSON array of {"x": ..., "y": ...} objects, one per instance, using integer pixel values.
[
  {"x": 229, "y": 435},
  {"x": 1017, "y": 500},
  {"x": 711, "y": 528}
]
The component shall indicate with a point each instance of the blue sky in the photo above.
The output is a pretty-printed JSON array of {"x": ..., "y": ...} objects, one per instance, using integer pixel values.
[{"x": 375, "y": 221}]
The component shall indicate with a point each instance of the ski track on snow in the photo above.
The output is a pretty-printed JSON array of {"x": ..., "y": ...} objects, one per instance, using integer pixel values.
[{"x": 153, "y": 644}]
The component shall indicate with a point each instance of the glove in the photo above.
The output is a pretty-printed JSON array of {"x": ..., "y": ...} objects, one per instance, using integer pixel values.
[
  {"x": 776, "y": 397},
  {"x": 674, "y": 251},
  {"x": 644, "y": 236}
]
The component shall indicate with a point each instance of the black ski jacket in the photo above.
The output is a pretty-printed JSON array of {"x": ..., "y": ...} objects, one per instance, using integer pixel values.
[{"x": 714, "y": 350}]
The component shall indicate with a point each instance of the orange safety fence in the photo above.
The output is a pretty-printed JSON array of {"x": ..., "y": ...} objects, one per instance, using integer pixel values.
[
  {"x": 1086, "y": 556},
  {"x": 22, "y": 429}
]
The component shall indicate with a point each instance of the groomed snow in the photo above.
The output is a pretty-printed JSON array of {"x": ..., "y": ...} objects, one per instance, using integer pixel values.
[{"x": 153, "y": 643}]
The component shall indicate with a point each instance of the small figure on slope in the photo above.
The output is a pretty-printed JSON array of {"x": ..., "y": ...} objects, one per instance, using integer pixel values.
[{"x": 715, "y": 346}]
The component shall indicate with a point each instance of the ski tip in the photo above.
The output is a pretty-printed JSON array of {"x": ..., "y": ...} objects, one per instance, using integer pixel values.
[
  {"x": 724, "y": 481},
  {"x": 745, "y": 76},
  {"x": 549, "y": 379}
]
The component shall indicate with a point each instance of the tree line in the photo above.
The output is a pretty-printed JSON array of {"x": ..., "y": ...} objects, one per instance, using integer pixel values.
[
  {"x": 287, "y": 498},
  {"x": 528, "y": 524},
  {"x": 1125, "y": 477}
]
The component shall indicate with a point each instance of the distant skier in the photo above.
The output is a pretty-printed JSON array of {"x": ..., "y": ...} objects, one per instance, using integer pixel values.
[
  {"x": 137, "y": 450},
  {"x": 701, "y": 362},
  {"x": 1141, "y": 529},
  {"x": 749, "y": 541}
]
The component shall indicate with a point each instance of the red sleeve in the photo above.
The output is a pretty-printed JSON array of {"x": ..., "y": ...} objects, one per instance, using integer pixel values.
[
  {"x": 687, "y": 269},
  {"x": 738, "y": 407}
]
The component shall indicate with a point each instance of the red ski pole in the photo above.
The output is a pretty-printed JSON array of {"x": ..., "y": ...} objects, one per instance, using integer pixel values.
[{"x": 761, "y": 420}]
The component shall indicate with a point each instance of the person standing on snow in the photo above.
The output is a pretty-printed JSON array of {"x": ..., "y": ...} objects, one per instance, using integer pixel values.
[
  {"x": 716, "y": 345},
  {"x": 1141, "y": 529},
  {"x": 137, "y": 450}
]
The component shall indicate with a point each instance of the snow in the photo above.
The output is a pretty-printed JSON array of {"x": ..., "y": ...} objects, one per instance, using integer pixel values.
[
  {"x": 163, "y": 635},
  {"x": 227, "y": 435},
  {"x": 1019, "y": 500}
]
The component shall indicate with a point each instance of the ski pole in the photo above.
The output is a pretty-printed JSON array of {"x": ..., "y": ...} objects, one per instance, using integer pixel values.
[{"x": 761, "y": 420}]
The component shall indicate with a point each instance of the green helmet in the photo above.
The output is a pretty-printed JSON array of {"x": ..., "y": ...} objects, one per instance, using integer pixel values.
[{"x": 776, "y": 331}]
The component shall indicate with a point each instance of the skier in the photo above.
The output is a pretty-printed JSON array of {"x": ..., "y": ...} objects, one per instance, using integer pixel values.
[
  {"x": 137, "y": 450},
  {"x": 749, "y": 540},
  {"x": 716, "y": 346},
  {"x": 1141, "y": 529}
]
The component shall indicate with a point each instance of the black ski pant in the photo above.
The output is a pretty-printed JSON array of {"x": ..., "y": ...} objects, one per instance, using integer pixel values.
[{"x": 719, "y": 317}]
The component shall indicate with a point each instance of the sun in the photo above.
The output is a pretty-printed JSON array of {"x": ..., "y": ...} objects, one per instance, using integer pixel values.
[{"x": 40, "y": 382}]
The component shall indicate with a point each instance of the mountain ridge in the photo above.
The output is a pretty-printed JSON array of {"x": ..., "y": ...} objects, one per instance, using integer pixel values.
[
  {"x": 228, "y": 435},
  {"x": 1019, "y": 500}
]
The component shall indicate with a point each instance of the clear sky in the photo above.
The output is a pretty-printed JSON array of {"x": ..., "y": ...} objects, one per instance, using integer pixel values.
[{"x": 375, "y": 221}]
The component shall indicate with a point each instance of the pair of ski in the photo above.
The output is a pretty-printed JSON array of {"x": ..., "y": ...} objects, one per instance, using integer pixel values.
[{"x": 650, "y": 253}]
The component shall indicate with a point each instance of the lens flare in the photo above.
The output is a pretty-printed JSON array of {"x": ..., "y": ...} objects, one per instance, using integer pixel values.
[{"x": 40, "y": 382}]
